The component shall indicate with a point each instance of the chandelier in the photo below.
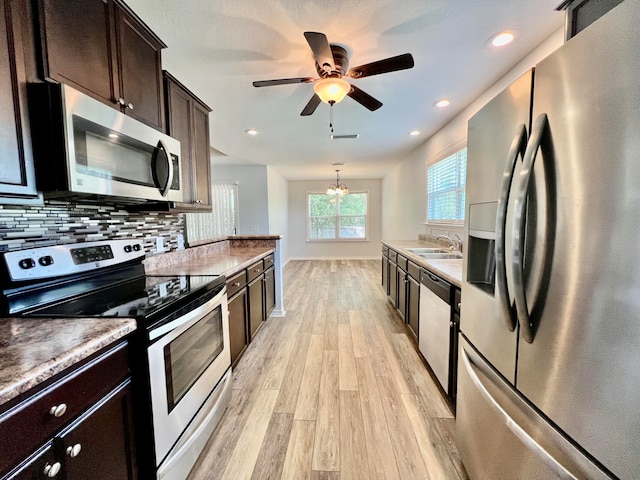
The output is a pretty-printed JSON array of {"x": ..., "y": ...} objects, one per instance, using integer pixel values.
[{"x": 337, "y": 188}]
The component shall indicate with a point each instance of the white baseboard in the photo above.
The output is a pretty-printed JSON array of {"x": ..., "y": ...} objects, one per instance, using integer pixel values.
[{"x": 278, "y": 313}]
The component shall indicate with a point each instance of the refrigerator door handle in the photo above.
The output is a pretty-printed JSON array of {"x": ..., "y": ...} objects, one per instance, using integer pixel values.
[
  {"x": 475, "y": 373},
  {"x": 518, "y": 146},
  {"x": 522, "y": 190}
]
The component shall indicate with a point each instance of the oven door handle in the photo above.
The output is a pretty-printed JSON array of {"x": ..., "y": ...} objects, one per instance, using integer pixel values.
[{"x": 185, "y": 319}]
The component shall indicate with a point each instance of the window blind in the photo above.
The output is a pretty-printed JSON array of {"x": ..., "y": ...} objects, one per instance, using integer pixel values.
[{"x": 446, "y": 181}]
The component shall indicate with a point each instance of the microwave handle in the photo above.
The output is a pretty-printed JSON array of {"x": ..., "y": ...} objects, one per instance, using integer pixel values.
[{"x": 164, "y": 189}]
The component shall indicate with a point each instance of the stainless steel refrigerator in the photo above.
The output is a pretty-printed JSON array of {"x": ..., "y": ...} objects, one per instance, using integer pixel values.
[{"x": 549, "y": 358}]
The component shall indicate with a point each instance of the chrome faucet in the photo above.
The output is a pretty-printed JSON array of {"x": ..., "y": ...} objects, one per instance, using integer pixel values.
[{"x": 455, "y": 245}]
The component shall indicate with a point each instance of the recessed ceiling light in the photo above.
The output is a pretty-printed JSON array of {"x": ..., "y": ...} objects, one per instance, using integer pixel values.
[
  {"x": 251, "y": 131},
  {"x": 501, "y": 39},
  {"x": 442, "y": 103},
  {"x": 413, "y": 133},
  {"x": 113, "y": 135}
]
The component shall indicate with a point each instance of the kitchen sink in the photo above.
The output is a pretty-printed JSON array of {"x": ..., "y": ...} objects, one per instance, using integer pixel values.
[
  {"x": 441, "y": 256},
  {"x": 421, "y": 251}
]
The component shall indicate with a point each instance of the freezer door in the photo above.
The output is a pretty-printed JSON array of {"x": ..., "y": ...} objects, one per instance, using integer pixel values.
[
  {"x": 582, "y": 368},
  {"x": 490, "y": 136},
  {"x": 500, "y": 436}
]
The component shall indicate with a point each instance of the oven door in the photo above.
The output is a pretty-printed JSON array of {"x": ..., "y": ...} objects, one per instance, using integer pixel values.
[{"x": 187, "y": 358}]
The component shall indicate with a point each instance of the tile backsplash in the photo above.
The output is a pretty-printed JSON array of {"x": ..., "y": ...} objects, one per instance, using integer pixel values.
[{"x": 61, "y": 222}]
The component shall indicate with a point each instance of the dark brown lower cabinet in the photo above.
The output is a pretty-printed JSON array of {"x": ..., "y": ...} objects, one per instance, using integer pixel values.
[
  {"x": 401, "y": 303},
  {"x": 34, "y": 467},
  {"x": 99, "y": 444},
  {"x": 393, "y": 282},
  {"x": 385, "y": 274},
  {"x": 78, "y": 427},
  {"x": 269, "y": 291},
  {"x": 256, "y": 306},
  {"x": 238, "y": 338},
  {"x": 413, "y": 305}
]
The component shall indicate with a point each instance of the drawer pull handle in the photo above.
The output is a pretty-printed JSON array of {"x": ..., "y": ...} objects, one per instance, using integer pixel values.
[
  {"x": 52, "y": 470},
  {"x": 459, "y": 305},
  {"x": 257, "y": 270},
  {"x": 74, "y": 451},
  {"x": 236, "y": 284},
  {"x": 58, "y": 410}
]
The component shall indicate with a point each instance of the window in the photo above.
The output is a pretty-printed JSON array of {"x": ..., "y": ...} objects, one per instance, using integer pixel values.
[
  {"x": 222, "y": 221},
  {"x": 336, "y": 217},
  {"x": 446, "y": 181}
]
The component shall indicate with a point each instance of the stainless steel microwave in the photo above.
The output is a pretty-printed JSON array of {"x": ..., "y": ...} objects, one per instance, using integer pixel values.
[{"x": 85, "y": 149}]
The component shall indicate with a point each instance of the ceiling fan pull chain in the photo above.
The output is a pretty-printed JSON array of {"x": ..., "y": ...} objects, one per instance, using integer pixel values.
[{"x": 331, "y": 104}]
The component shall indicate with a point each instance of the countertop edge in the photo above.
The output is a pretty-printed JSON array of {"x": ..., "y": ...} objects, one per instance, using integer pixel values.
[{"x": 65, "y": 359}]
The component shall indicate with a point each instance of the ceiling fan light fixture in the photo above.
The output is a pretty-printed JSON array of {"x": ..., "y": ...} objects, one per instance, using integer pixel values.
[{"x": 331, "y": 89}]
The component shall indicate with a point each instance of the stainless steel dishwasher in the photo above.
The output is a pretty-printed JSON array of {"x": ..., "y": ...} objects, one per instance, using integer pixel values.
[{"x": 434, "y": 337}]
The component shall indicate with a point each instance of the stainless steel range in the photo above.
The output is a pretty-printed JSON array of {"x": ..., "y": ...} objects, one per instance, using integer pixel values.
[{"x": 180, "y": 360}]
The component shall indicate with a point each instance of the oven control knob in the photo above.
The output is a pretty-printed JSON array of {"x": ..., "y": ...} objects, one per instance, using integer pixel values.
[
  {"x": 27, "y": 263},
  {"x": 127, "y": 248},
  {"x": 136, "y": 247},
  {"x": 46, "y": 260}
]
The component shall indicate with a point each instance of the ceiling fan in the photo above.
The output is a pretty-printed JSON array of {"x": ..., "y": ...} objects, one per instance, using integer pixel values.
[{"x": 332, "y": 64}]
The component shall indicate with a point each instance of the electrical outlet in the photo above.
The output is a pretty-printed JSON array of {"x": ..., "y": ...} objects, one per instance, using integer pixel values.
[
  {"x": 180, "y": 241},
  {"x": 255, "y": 228},
  {"x": 159, "y": 244}
]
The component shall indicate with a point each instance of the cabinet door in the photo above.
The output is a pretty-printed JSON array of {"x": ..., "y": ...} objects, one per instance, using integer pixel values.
[
  {"x": 238, "y": 337},
  {"x": 393, "y": 283},
  {"x": 401, "y": 304},
  {"x": 269, "y": 291},
  {"x": 99, "y": 445},
  {"x": 201, "y": 163},
  {"x": 34, "y": 467},
  {"x": 17, "y": 174},
  {"x": 180, "y": 127},
  {"x": 413, "y": 305},
  {"x": 77, "y": 45},
  {"x": 256, "y": 306},
  {"x": 385, "y": 274},
  {"x": 140, "y": 68}
]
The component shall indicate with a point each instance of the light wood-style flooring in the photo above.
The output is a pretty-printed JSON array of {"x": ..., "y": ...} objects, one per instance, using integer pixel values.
[{"x": 334, "y": 390}]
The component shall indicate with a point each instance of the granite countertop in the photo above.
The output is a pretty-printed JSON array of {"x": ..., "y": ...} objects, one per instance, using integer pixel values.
[
  {"x": 449, "y": 269},
  {"x": 35, "y": 349},
  {"x": 227, "y": 262}
]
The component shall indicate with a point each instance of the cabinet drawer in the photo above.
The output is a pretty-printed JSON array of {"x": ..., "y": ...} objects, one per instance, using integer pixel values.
[
  {"x": 236, "y": 283},
  {"x": 385, "y": 251},
  {"x": 414, "y": 271},
  {"x": 254, "y": 271},
  {"x": 402, "y": 262},
  {"x": 29, "y": 424},
  {"x": 268, "y": 261},
  {"x": 393, "y": 256}
]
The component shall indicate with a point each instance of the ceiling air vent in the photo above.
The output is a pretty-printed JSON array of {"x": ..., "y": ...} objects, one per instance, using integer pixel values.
[{"x": 344, "y": 137}]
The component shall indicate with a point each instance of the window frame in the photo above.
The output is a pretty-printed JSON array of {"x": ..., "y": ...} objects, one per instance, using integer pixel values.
[
  {"x": 337, "y": 239},
  {"x": 445, "y": 155}
]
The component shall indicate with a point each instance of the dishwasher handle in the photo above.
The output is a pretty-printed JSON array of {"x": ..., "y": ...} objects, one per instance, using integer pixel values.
[{"x": 437, "y": 285}]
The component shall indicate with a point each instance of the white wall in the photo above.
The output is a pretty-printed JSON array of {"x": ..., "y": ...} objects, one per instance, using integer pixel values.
[
  {"x": 253, "y": 200},
  {"x": 278, "y": 207},
  {"x": 404, "y": 189},
  {"x": 299, "y": 248}
]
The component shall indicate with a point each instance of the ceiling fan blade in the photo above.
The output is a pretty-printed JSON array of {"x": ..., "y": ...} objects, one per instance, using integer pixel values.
[
  {"x": 391, "y": 64},
  {"x": 283, "y": 81},
  {"x": 311, "y": 106},
  {"x": 321, "y": 50},
  {"x": 364, "y": 98}
]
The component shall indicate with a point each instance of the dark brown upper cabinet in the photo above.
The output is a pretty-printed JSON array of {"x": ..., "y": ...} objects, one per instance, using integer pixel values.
[
  {"x": 103, "y": 49},
  {"x": 17, "y": 174},
  {"x": 188, "y": 122}
]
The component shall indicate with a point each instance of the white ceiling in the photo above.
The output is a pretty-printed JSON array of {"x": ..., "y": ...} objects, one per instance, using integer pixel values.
[{"x": 218, "y": 47}]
